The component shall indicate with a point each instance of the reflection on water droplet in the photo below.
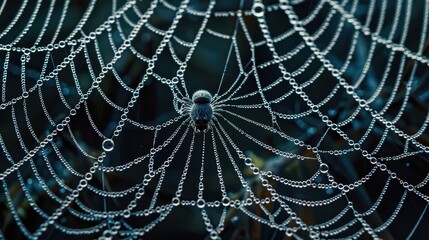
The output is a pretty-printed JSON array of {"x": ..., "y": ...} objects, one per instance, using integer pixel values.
[{"x": 108, "y": 145}]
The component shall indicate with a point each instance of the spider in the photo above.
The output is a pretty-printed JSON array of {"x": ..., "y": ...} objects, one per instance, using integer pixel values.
[{"x": 200, "y": 110}]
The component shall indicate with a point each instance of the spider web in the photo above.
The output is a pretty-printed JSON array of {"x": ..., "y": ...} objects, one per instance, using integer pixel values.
[{"x": 319, "y": 128}]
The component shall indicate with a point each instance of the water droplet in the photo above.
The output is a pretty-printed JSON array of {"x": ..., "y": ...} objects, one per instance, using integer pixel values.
[
  {"x": 324, "y": 168},
  {"x": 225, "y": 201},
  {"x": 289, "y": 232},
  {"x": 258, "y": 9},
  {"x": 127, "y": 213},
  {"x": 201, "y": 203},
  {"x": 88, "y": 176},
  {"x": 214, "y": 235},
  {"x": 60, "y": 127},
  {"x": 83, "y": 183},
  {"x": 108, "y": 145},
  {"x": 107, "y": 234},
  {"x": 175, "y": 201}
]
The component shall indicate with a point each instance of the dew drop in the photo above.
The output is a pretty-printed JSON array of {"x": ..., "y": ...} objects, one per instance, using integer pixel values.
[
  {"x": 258, "y": 9},
  {"x": 201, "y": 203},
  {"x": 289, "y": 232},
  {"x": 88, "y": 176},
  {"x": 83, "y": 183},
  {"x": 324, "y": 168},
  {"x": 107, "y": 234},
  {"x": 214, "y": 235},
  {"x": 225, "y": 201},
  {"x": 108, "y": 145},
  {"x": 175, "y": 201},
  {"x": 60, "y": 127},
  {"x": 127, "y": 213}
]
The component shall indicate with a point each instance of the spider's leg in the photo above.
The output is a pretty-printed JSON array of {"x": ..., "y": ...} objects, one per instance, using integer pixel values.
[
  {"x": 212, "y": 125},
  {"x": 192, "y": 124},
  {"x": 208, "y": 127},
  {"x": 188, "y": 100}
]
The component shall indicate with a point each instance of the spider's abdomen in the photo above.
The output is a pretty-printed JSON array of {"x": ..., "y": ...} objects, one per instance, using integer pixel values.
[{"x": 201, "y": 114}]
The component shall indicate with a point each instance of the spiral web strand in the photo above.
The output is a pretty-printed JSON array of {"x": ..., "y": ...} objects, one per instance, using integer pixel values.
[{"x": 319, "y": 128}]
